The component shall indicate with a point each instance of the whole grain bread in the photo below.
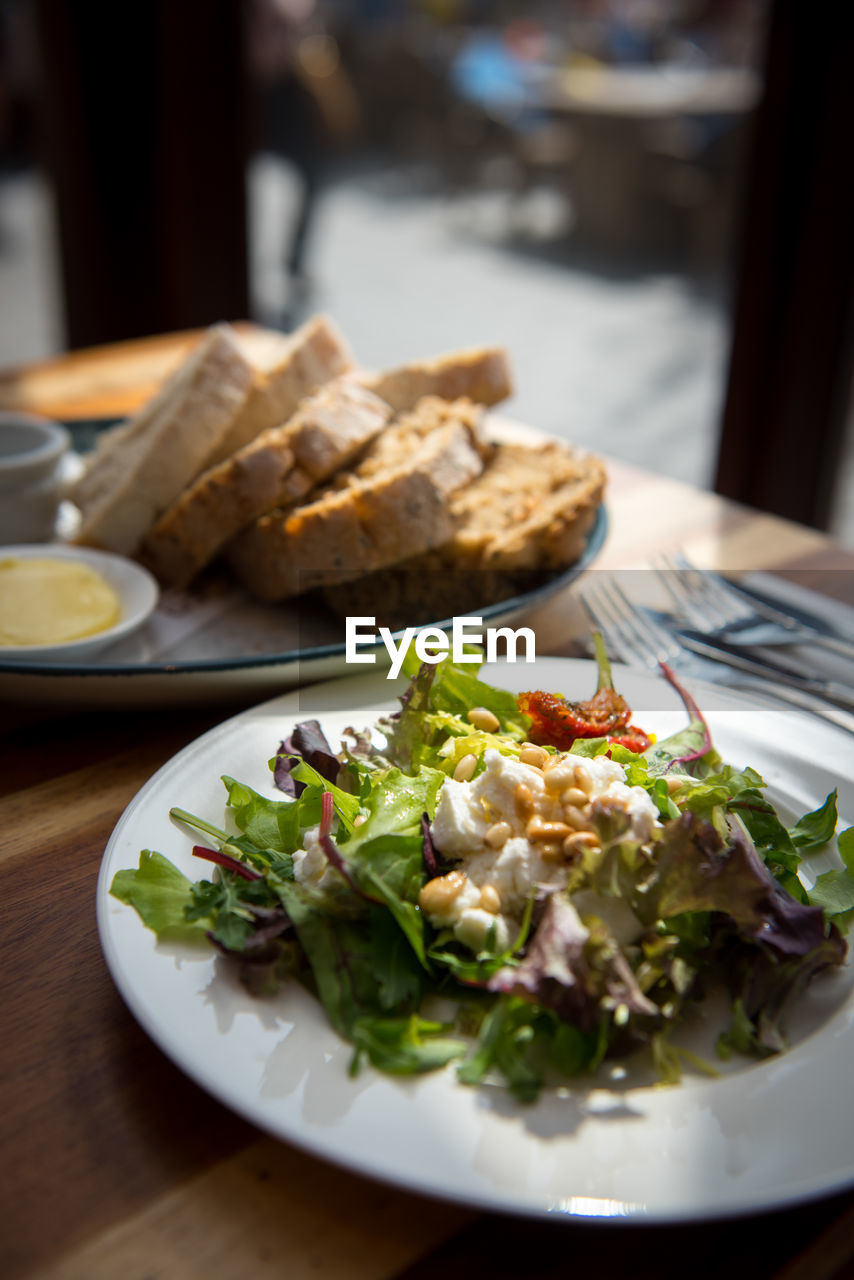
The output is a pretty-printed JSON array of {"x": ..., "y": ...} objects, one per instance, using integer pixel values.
[
  {"x": 314, "y": 354},
  {"x": 391, "y": 506},
  {"x": 278, "y": 467},
  {"x": 142, "y": 467},
  {"x": 481, "y": 374},
  {"x": 525, "y": 517}
]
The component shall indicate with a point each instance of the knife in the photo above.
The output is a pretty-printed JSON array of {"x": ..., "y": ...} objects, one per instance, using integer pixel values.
[
  {"x": 802, "y": 628},
  {"x": 804, "y": 691}
]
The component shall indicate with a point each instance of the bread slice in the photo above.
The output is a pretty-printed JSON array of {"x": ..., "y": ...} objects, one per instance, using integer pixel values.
[
  {"x": 525, "y": 517},
  {"x": 275, "y": 469},
  {"x": 392, "y": 506},
  {"x": 143, "y": 466},
  {"x": 481, "y": 374},
  {"x": 315, "y": 353}
]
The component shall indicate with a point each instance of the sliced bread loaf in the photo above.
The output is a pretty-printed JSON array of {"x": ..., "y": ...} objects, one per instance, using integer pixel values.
[
  {"x": 481, "y": 374},
  {"x": 275, "y": 469},
  {"x": 526, "y": 516},
  {"x": 393, "y": 505},
  {"x": 143, "y": 466},
  {"x": 314, "y": 354}
]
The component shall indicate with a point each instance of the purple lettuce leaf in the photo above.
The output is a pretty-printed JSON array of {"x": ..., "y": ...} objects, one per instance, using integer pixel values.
[
  {"x": 698, "y": 871},
  {"x": 306, "y": 742},
  {"x": 770, "y": 945},
  {"x": 563, "y": 972},
  {"x": 431, "y": 865}
]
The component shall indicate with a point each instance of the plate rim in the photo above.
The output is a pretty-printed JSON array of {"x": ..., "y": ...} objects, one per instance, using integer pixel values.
[{"x": 616, "y": 1212}]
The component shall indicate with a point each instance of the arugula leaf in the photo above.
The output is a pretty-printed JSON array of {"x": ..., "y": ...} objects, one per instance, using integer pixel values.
[
  {"x": 226, "y": 903},
  {"x": 457, "y": 690},
  {"x": 161, "y": 894},
  {"x": 346, "y": 805},
  {"x": 395, "y": 802},
  {"x": 522, "y": 1041},
  {"x": 833, "y": 891},
  {"x": 435, "y": 707},
  {"x": 266, "y": 823},
  {"x": 511, "y": 1040},
  {"x": 589, "y": 747},
  {"x": 342, "y": 954},
  {"x": 814, "y": 830},
  {"x": 845, "y": 845},
  {"x": 391, "y": 868},
  {"x": 740, "y": 1037},
  {"x": 404, "y": 1046}
]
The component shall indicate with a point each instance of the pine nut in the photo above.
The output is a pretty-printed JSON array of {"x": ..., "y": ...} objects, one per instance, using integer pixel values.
[
  {"x": 523, "y": 797},
  {"x": 537, "y": 829},
  {"x": 673, "y": 784},
  {"x": 576, "y": 819},
  {"x": 490, "y": 899},
  {"x": 437, "y": 895},
  {"x": 466, "y": 766},
  {"x": 560, "y": 776},
  {"x": 551, "y": 851},
  {"x": 498, "y": 834},
  {"x": 580, "y": 840},
  {"x": 574, "y": 797},
  {"x": 359, "y": 819},
  {"x": 534, "y": 756},
  {"x": 483, "y": 718},
  {"x": 583, "y": 780}
]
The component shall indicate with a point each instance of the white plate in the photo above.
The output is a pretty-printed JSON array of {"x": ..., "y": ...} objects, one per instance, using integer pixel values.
[
  {"x": 136, "y": 589},
  {"x": 764, "y": 1134}
]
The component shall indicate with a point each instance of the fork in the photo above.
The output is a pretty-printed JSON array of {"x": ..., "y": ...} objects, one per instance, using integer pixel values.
[
  {"x": 634, "y": 637},
  {"x": 718, "y": 607}
]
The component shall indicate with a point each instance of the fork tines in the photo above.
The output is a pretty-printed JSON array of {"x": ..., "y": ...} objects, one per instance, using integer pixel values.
[
  {"x": 627, "y": 629},
  {"x": 700, "y": 596}
]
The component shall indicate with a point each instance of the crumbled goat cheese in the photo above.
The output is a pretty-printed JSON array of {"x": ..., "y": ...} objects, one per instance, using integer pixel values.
[
  {"x": 468, "y": 810},
  {"x": 312, "y": 867}
]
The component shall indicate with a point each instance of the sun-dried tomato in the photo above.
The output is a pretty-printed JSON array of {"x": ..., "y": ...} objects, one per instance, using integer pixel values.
[
  {"x": 557, "y": 723},
  {"x": 634, "y": 739}
]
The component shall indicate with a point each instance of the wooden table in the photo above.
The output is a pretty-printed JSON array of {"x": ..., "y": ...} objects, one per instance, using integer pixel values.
[{"x": 112, "y": 1163}]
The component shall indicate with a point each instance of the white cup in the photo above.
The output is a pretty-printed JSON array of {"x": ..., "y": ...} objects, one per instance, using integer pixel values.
[{"x": 33, "y": 476}]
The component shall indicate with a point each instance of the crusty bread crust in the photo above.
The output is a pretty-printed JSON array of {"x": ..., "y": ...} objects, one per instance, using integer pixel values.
[
  {"x": 526, "y": 516},
  {"x": 142, "y": 469},
  {"x": 481, "y": 374},
  {"x": 394, "y": 505},
  {"x": 315, "y": 353},
  {"x": 277, "y": 468},
  {"x": 523, "y": 511}
]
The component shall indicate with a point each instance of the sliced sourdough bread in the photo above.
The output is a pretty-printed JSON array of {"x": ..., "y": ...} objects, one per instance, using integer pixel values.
[
  {"x": 315, "y": 353},
  {"x": 526, "y": 516},
  {"x": 143, "y": 466},
  {"x": 481, "y": 374},
  {"x": 393, "y": 505},
  {"x": 277, "y": 468}
]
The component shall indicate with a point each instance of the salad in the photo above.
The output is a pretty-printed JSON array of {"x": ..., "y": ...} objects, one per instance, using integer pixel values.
[{"x": 522, "y": 885}]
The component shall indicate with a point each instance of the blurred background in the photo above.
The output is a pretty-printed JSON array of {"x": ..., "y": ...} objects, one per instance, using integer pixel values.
[{"x": 642, "y": 199}]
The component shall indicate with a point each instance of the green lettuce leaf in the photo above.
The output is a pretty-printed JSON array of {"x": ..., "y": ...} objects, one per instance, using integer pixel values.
[
  {"x": 404, "y": 1046},
  {"x": 814, "y": 830},
  {"x": 162, "y": 895}
]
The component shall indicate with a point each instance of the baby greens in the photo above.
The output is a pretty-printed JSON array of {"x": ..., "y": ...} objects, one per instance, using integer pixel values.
[{"x": 718, "y": 896}]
